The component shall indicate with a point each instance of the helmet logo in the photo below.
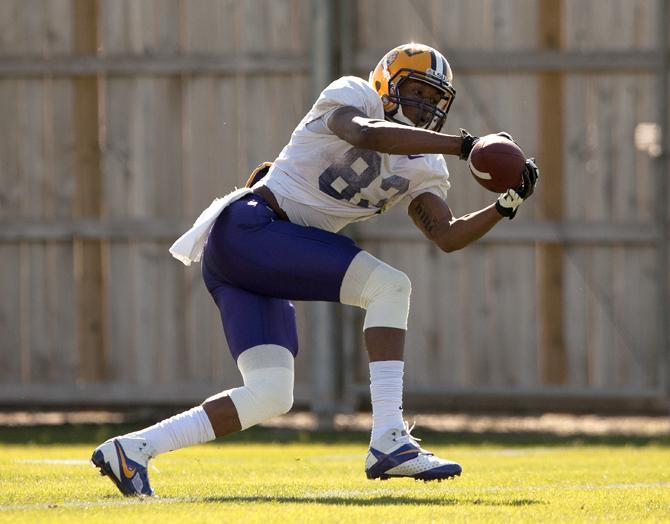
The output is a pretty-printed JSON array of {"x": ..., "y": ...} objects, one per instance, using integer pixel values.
[
  {"x": 440, "y": 76},
  {"x": 390, "y": 58}
]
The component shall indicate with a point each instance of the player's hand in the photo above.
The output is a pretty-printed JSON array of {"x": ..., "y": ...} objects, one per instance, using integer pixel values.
[
  {"x": 530, "y": 175},
  {"x": 469, "y": 142},
  {"x": 508, "y": 202}
]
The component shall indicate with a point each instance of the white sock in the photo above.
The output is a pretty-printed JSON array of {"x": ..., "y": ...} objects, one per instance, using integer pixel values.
[
  {"x": 186, "y": 429},
  {"x": 386, "y": 393}
]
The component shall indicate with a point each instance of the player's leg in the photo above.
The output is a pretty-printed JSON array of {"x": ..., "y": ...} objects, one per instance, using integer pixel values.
[
  {"x": 385, "y": 292},
  {"x": 249, "y": 249},
  {"x": 262, "y": 336}
]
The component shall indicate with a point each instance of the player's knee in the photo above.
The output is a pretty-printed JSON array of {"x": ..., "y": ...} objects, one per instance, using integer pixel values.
[
  {"x": 272, "y": 389},
  {"x": 387, "y": 293},
  {"x": 380, "y": 289},
  {"x": 388, "y": 281},
  {"x": 268, "y": 376}
]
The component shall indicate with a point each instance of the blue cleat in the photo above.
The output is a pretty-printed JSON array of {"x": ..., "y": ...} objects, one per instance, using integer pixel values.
[
  {"x": 124, "y": 460},
  {"x": 397, "y": 454}
]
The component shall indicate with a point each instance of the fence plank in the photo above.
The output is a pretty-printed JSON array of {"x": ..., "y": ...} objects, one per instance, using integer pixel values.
[
  {"x": 10, "y": 255},
  {"x": 119, "y": 174},
  {"x": 88, "y": 201},
  {"x": 32, "y": 180},
  {"x": 60, "y": 303},
  {"x": 553, "y": 353}
]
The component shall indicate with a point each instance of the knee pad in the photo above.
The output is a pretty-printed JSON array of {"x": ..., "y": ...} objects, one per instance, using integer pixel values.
[
  {"x": 267, "y": 371},
  {"x": 378, "y": 288}
]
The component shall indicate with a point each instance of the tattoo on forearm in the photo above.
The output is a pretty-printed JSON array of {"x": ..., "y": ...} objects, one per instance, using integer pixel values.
[{"x": 424, "y": 217}]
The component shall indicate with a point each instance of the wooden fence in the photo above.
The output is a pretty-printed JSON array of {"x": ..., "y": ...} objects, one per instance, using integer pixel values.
[{"x": 121, "y": 120}]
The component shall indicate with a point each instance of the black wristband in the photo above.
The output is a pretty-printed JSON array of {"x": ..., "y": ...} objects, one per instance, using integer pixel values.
[{"x": 468, "y": 142}]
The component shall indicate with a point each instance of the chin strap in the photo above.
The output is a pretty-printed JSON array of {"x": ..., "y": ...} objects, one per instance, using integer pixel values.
[{"x": 400, "y": 117}]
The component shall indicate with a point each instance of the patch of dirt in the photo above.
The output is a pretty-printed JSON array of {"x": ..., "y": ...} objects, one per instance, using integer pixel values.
[{"x": 550, "y": 423}]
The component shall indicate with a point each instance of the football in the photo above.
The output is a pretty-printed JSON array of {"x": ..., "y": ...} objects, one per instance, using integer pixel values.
[{"x": 497, "y": 163}]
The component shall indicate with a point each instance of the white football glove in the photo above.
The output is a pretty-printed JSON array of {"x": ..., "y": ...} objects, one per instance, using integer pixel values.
[
  {"x": 508, "y": 202},
  {"x": 512, "y": 198}
]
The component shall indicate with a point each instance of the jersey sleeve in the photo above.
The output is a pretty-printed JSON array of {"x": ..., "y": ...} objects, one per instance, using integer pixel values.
[
  {"x": 433, "y": 180},
  {"x": 347, "y": 91}
]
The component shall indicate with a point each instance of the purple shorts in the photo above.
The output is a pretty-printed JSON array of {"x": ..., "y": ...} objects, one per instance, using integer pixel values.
[{"x": 254, "y": 263}]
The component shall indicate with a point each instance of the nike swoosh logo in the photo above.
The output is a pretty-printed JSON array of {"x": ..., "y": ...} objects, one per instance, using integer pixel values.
[
  {"x": 127, "y": 471},
  {"x": 408, "y": 451},
  {"x": 412, "y": 157}
]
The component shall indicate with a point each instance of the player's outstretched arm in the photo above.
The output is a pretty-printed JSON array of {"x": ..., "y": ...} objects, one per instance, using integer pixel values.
[
  {"x": 353, "y": 126},
  {"x": 434, "y": 218}
]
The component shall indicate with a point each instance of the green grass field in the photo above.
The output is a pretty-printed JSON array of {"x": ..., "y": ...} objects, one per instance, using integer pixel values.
[{"x": 288, "y": 476}]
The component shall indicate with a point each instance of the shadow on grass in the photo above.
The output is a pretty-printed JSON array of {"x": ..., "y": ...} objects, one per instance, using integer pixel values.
[
  {"x": 96, "y": 433},
  {"x": 373, "y": 501}
]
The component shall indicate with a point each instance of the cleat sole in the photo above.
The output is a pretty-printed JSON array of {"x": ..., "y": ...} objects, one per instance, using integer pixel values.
[{"x": 384, "y": 476}]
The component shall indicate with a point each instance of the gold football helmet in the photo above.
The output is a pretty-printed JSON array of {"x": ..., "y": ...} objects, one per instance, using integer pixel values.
[{"x": 418, "y": 62}]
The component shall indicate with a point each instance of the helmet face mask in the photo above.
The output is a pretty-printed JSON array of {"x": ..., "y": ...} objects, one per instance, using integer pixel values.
[
  {"x": 438, "y": 112},
  {"x": 419, "y": 63}
]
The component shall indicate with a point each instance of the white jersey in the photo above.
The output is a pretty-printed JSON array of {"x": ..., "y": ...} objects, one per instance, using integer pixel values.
[{"x": 323, "y": 181}]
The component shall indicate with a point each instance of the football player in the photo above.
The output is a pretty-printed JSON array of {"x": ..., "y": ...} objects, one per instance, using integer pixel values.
[{"x": 362, "y": 148}]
